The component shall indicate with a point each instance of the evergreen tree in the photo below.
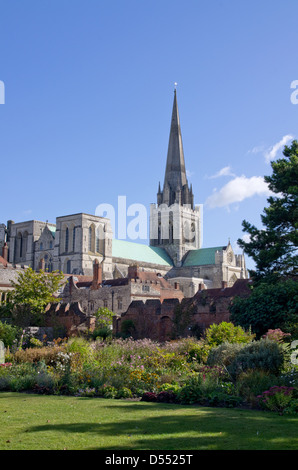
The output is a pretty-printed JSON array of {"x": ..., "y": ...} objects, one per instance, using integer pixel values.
[{"x": 274, "y": 248}]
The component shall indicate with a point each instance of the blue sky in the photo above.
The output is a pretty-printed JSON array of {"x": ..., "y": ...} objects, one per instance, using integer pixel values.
[{"x": 88, "y": 100}]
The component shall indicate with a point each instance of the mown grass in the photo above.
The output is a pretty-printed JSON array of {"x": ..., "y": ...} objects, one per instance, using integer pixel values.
[{"x": 39, "y": 422}]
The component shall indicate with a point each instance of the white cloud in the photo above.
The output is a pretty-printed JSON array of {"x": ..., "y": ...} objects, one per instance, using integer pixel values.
[
  {"x": 237, "y": 190},
  {"x": 257, "y": 149},
  {"x": 226, "y": 171},
  {"x": 236, "y": 248},
  {"x": 271, "y": 153}
]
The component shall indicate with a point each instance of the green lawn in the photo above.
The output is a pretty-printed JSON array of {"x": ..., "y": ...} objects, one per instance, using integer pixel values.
[{"x": 39, "y": 422}]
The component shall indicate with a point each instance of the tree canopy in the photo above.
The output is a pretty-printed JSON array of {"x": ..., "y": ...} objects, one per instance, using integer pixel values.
[
  {"x": 270, "y": 306},
  {"x": 274, "y": 248},
  {"x": 35, "y": 289}
]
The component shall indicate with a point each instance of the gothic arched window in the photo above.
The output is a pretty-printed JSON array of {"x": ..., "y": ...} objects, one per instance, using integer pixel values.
[
  {"x": 68, "y": 267},
  {"x": 66, "y": 239},
  {"x": 73, "y": 239},
  {"x": 171, "y": 228},
  {"x": 91, "y": 239},
  {"x": 20, "y": 244}
]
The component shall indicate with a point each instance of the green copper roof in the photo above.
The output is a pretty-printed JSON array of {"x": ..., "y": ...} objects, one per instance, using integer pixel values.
[
  {"x": 139, "y": 252},
  {"x": 52, "y": 230},
  {"x": 202, "y": 256}
]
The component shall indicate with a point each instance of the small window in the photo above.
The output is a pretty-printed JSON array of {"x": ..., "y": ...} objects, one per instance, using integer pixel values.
[
  {"x": 120, "y": 303},
  {"x": 41, "y": 246}
]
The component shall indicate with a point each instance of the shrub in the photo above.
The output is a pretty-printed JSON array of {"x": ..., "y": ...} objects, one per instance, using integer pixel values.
[
  {"x": 24, "y": 383},
  {"x": 220, "y": 398},
  {"x": 87, "y": 392},
  {"x": 44, "y": 384},
  {"x": 124, "y": 392},
  {"x": 237, "y": 358},
  {"x": 224, "y": 332},
  {"x": 149, "y": 396},
  {"x": 167, "y": 396},
  {"x": 262, "y": 355},
  {"x": 34, "y": 355},
  {"x": 104, "y": 333},
  {"x": 35, "y": 343},
  {"x": 197, "y": 388},
  {"x": 252, "y": 383},
  {"x": 107, "y": 391},
  {"x": 166, "y": 387},
  {"x": 276, "y": 398},
  {"x": 127, "y": 328},
  {"x": 5, "y": 383},
  {"x": 80, "y": 346},
  {"x": 198, "y": 352},
  {"x": 224, "y": 354}
]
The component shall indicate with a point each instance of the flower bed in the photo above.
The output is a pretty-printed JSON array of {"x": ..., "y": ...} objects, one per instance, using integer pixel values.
[{"x": 187, "y": 371}]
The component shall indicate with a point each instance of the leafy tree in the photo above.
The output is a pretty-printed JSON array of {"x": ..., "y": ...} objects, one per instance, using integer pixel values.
[
  {"x": 104, "y": 318},
  {"x": 275, "y": 248},
  {"x": 32, "y": 292},
  {"x": 104, "y": 321},
  {"x": 9, "y": 334},
  {"x": 270, "y": 306}
]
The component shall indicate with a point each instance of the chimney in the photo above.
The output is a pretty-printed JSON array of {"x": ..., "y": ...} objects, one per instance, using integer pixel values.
[
  {"x": 97, "y": 274},
  {"x": 5, "y": 251},
  {"x": 133, "y": 272}
]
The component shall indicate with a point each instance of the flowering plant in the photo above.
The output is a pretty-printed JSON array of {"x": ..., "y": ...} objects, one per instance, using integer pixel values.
[
  {"x": 276, "y": 335},
  {"x": 277, "y": 398}
]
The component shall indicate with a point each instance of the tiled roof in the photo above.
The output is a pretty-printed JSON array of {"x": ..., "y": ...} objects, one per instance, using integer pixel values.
[
  {"x": 140, "y": 252},
  {"x": 202, "y": 256},
  {"x": 240, "y": 288}
]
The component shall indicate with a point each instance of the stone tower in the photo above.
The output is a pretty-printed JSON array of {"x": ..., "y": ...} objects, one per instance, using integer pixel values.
[{"x": 175, "y": 223}]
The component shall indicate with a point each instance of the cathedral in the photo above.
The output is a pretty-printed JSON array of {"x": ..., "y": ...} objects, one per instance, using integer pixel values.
[{"x": 175, "y": 252}]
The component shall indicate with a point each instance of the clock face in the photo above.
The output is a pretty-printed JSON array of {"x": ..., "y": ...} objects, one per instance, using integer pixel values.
[{"x": 230, "y": 257}]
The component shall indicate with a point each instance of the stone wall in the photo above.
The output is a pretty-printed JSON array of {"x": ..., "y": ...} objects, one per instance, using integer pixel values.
[
  {"x": 69, "y": 318},
  {"x": 154, "y": 319}
]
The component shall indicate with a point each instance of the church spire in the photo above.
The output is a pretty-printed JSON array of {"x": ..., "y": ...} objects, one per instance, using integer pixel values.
[{"x": 175, "y": 181}]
